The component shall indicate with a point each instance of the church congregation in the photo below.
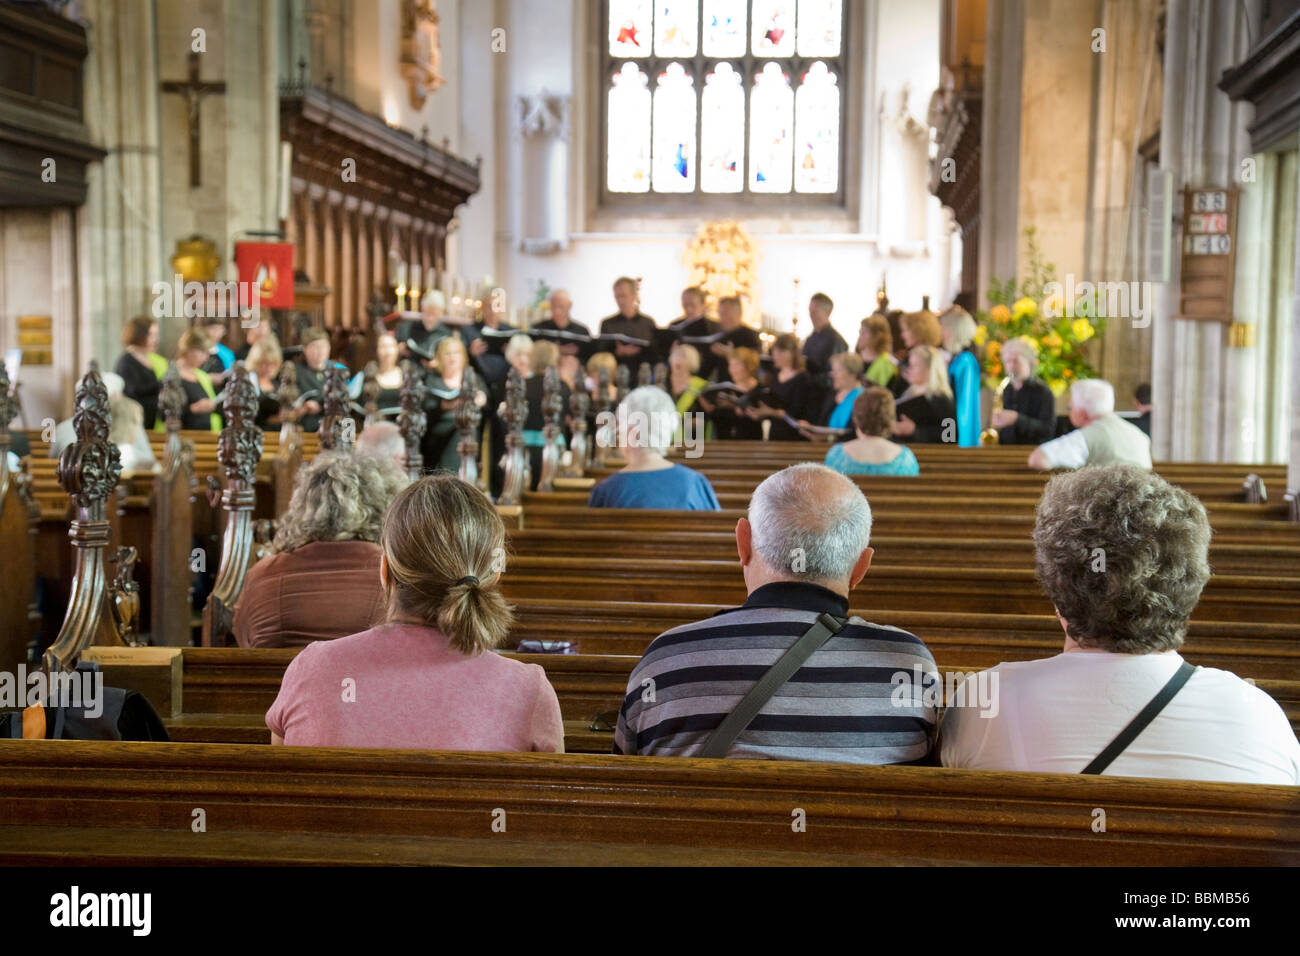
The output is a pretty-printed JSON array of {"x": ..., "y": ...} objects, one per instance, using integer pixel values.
[{"x": 731, "y": 437}]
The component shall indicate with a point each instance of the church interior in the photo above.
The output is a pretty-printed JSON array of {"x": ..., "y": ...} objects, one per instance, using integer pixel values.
[{"x": 766, "y": 433}]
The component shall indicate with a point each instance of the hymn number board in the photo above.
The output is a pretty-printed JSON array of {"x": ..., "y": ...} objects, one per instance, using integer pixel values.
[{"x": 1209, "y": 254}]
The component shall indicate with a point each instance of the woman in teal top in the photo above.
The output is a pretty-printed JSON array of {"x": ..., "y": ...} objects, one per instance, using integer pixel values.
[
  {"x": 872, "y": 453},
  {"x": 837, "y": 408}
]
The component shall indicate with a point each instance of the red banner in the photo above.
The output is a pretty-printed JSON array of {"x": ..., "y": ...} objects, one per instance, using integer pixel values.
[{"x": 269, "y": 267}]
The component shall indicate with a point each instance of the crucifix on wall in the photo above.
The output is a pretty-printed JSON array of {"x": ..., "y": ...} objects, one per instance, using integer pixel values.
[{"x": 193, "y": 90}]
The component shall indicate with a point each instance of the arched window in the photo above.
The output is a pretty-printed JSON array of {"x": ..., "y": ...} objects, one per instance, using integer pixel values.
[{"x": 741, "y": 97}]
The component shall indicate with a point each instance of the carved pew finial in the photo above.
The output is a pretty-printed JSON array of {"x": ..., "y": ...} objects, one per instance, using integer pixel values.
[
  {"x": 623, "y": 380},
  {"x": 171, "y": 400},
  {"x": 579, "y": 449},
  {"x": 238, "y": 450},
  {"x": 602, "y": 406},
  {"x": 412, "y": 421},
  {"x": 468, "y": 417},
  {"x": 515, "y": 462},
  {"x": 644, "y": 375},
  {"x": 552, "y": 430},
  {"x": 88, "y": 471},
  {"x": 336, "y": 428}
]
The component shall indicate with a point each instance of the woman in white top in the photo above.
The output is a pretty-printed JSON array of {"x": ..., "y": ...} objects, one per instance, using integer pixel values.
[{"x": 1123, "y": 555}]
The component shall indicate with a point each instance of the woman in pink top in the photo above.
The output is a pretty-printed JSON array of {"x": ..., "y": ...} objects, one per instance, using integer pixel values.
[{"x": 427, "y": 678}]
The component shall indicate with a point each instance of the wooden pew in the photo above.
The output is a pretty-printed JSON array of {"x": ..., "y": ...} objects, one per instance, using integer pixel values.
[
  {"x": 19, "y": 617},
  {"x": 134, "y": 804},
  {"x": 171, "y": 534}
]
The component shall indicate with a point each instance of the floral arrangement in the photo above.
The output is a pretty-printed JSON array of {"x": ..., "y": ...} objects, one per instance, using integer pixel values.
[{"x": 1036, "y": 310}]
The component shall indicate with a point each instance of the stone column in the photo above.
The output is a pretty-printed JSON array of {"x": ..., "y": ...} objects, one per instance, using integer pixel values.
[{"x": 999, "y": 229}]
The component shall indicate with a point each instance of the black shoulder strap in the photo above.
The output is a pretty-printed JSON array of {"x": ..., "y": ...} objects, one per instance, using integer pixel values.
[
  {"x": 720, "y": 741},
  {"x": 1139, "y": 723}
]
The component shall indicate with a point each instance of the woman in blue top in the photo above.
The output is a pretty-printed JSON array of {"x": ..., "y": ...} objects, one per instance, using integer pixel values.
[
  {"x": 647, "y": 419},
  {"x": 837, "y": 408},
  {"x": 958, "y": 329},
  {"x": 872, "y": 453}
]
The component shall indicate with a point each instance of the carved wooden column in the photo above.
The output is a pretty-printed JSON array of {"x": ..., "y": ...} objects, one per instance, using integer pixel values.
[
  {"x": 337, "y": 430},
  {"x": 238, "y": 450},
  {"x": 88, "y": 471},
  {"x": 553, "y": 430},
  {"x": 468, "y": 418},
  {"x": 288, "y": 457},
  {"x": 622, "y": 383},
  {"x": 516, "y": 457},
  {"x": 17, "y": 544},
  {"x": 601, "y": 452},
  {"x": 172, "y": 510},
  {"x": 579, "y": 449},
  {"x": 644, "y": 375},
  {"x": 412, "y": 421}
]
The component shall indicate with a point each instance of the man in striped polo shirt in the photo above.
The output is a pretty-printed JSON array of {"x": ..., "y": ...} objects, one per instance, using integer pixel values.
[{"x": 857, "y": 699}]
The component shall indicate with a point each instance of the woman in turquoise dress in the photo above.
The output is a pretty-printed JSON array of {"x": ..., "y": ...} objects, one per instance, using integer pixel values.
[{"x": 872, "y": 453}]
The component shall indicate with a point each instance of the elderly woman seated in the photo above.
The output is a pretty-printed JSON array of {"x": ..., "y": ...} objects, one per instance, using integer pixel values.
[
  {"x": 872, "y": 453},
  {"x": 646, "y": 422},
  {"x": 1028, "y": 413},
  {"x": 322, "y": 578},
  {"x": 426, "y": 678},
  {"x": 1123, "y": 556}
]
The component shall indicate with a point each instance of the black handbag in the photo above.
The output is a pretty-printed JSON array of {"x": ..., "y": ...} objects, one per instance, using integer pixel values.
[{"x": 121, "y": 715}]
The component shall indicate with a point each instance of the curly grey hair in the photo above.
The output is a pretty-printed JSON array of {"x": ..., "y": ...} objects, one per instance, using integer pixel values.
[
  {"x": 339, "y": 496},
  {"x": 1124, "y": 556}
]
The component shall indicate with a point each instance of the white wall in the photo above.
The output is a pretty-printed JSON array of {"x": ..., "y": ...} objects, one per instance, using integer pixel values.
[{"x": 550, "y": 48}]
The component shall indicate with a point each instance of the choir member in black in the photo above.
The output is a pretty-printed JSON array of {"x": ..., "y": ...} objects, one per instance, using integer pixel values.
[
  {"x": 629, "y": 321},
  {"x": 264, "y": 360},
  {"x": 311, "y": 377},
  {"x": 822, "y": 342},
  {"x": 444, "y": 383},
  {"x": 790, "y": 392},
  {"x": 1142, "y": 398},
  {"x": 561, "y": 320},
  {"x": 426, "y": 331},
  {"x": 1028, "y": 415},
  {"x": 388, "y": 376},
  {"x": 487, "y": 351},
  {"x": 257, "y": 333},
  {"x": 735, "y": 335},
  {"x": 926, "y": 411},
  {"x": 694, "y": 323},
  {"x": 729, "y": 419},
  {"x": 141, "y": 367},
  {"x": 200, "y": 410}
]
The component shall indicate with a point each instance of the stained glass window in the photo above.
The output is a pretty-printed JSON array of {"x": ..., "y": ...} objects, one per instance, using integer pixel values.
[
  {"x": 724, "y": 96},
  {"x": 676, "y": 27},
  {"x": 771, "y": 114},
  {"x": 724, "y": 27},
  {"x": 722, "y": 132},
  {"x": 819, "y": 27},
  {"x": 629, "y": 27},
  {"x": 817, "y": 132},
  {"x": 628, "y": 169},
  {"x": 773, "y": 31},
  {"x": 674, "y": 132}
]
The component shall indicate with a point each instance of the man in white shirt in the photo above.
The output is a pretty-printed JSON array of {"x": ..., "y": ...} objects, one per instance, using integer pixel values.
[
  {"x": 1123, "y": 555},
  {"x": 1100, "y": 437}
]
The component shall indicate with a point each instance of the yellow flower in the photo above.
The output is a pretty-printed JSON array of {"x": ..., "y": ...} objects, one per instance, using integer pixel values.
[
  {"x": 994, "y": 351},
  {"x": 1057, "y": 386},
  {"x": 1082, "y": 329},
  {"x": 981, "y": 335},
  {"x": 1000, "y": 314},
  {"x": 1023, "y": 307},
  {"x": 1052, "y": 342},
  {"x": 1067, "y": 373},
  {"x": 995, "y": 370},
  {"x": 1053, "y": 305}
]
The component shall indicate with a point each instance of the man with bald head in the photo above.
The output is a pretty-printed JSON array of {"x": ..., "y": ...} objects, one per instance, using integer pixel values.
[
  {"x": 866, "y": 694},
  {"x": 561, "y": 320}
]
